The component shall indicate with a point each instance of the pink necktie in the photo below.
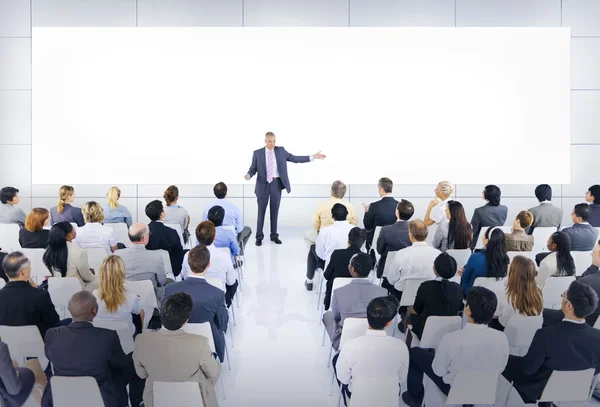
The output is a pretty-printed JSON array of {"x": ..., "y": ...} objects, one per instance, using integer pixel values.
[{"x": 270, "y": 163}]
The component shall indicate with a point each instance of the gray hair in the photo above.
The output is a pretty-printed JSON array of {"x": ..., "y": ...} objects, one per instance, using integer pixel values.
[
  {"x": 137, "y": 232},
  {"x": 445, "y": 188},
  {"x": 81, "y": 306},
  {"x": 338, "y": 189},
  {"x": 14, "y": 263}
]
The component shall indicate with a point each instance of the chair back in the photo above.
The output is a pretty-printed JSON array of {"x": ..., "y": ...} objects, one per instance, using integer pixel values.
[
  {"x": 582, "y": 260},
  {"x": 167, "y": 263},
  {"x": 435, "y": 329},
  {"x": 95, "y": 257},
  {"x": 353, "y": 328},
  {"x": 39, "y": 271},
  {"x": 216, "y": 282},
  {"x": 570, "y": 386},
  {"x": 410, "y": 291},
  {"x": 374, "y": 244},
  {"x": 122, "y": 329},
  {"x": 202, "y": 329},
  {"x": 178, "y": 229},
  {"x": 2, "y": 283},
  {"x": 121, "y": 232},
  {"x": 554, "y": 287},
  {"x": 480, "y": 245},
  {"x": 597, "y": 323},
  {"x": 540, "y": 238},
  {"x": 75, "y": 391},
  {"x": 231, "y": 228},
  {"x": 497, "y": 286},
  {"x": 374, "y": 391},
  {"x": 184, "y": 394},
  {"x": 339, "y": 282},
  {"x": 24, "y": 342},
  {"x": 520, "y": 330},
  {"x": 512, "y": 255},
  {"x": 461, "y": 256},
  {"x": 474, "y": 387},
  {"x": 9, "y": 237},
  {"x": 145, "y": 290},
  {"x": 61, "y": 289}
]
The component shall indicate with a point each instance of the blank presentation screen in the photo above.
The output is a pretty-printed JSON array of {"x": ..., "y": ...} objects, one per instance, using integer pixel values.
[{"x": 190, "y": 105}]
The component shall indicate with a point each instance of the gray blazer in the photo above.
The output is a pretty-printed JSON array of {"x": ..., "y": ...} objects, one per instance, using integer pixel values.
[
  {"x": 351, "y": 300},
  {"x": 583, "y": 237},
  {"x": 546, "y": 215},
  {"x": 487, "y": 215},
  {"x": 142, "y": 264}
]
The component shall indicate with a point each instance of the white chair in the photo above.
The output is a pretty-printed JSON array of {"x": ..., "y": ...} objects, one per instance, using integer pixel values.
[
  {"x": 2, "y": 283},
  {"x": 122, "y": 329},
  {"x": 186, "y": 394},
  {"x": 512, "y": 255},
  {"x": 497, "y": 286},
  {"x": 431, "y": 233},
  {"x": 520, "y": 330},
  {"x": 9, "y": 237},
  {"x": 95, "y": 257},
  {"x": 337, "y": 283},
  {"x": 540, "y": 238},
  {"x": 39, "y": 271},
  {"x": 61, "y": 289},
  {"x": 353, "y": 328},
  {"x": 204, "y": 329},
  {"x": 121, "y": 232},
  {"x": 479, "y": 245},
  {"x": 435, "y": 329},
  {"x": 145, "y": 290},
  {"x": 177, "y": 227},
  {"x": 374, "y": 244},
  {"x": 554, "y": 287},
  {"x": 24, "y": 342},
  {"x": 374, "y": 391},
  {"x": 461, "y": 256},
  {"x": 582, "y": 260},
  {"x": 597, "y": 323},
  {"x": 410, "y": 291},
  {"x": 75, "y": 391},
  {"x": 473, "y": 387},
  {"x": 167, "y": 263}
]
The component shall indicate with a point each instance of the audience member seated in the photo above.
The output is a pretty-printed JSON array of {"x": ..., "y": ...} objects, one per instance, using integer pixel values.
[
  {"x": 436, "y": 211},
  {"x": 569, "y": 345},
  {"x": 21, "y": 302},
  {"x": 559, "y": 262},
  {"x": 183, "y": 357},
  {"x": 382, "y": 212},
  {"x": 412, "y": 262},
  {"x": 64, "y": 212},
  {"x": 519, "y": 240},
  {"x": 114, "y": 301},
  {"x": 94, "y": 233},
  {"x": 209, "y": 301},
  {"x": 374, "y": 354},
  {"x": 17, "y": 384},
  {"x": 163, "y": 237},
  {"x": 330, "y": 238},
  {"x": 394, "y": 237},
  {"x": 339, "y": 262},
  {"x": 491, "y": 214},
  {"x": 593, "y": 268},
  {"x": 64, "y": 259},
  {"x": 113, "y": 212},
  {"x": 454, "y": 232},
  {"x": 223, "y": 237},
  {"x": 593, "y": 197},
  {"x": 174, "y": 213},
  {"x": 475, "y": 347},
  {"x": 352, "y": 299},
  {"x": 583, "y": 235},
  {"x": 438, "y": 297},
  {"x": 33, "y": 235},
  {"x": 522, "y": 295},
  {"x": 81, "y": 349},
  {"x": 233, "y": 214},
  {"x": 220, "y": 262},
  {"x": 545, "y": 215},
  {"x": 9, "y": 197},
  {"x": 141, "y": 264},
  {"x": 490, "y": 262}
]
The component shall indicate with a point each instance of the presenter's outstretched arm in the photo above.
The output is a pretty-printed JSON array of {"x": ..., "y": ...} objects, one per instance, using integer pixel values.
[{"x": 252, "y": 170}]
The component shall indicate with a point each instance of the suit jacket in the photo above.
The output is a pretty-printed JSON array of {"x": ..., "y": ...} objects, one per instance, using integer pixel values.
[
  {"x": 391, "y": 238},
  {"x": 209, "y": 306},
  {"x": 21, "y": 305},
  {"x": 518, "y": 241},
  {"x": 81, "y": 349},
  {"x": 595, "y": 215},
  {"x": 487, "y": 215},
  {"x": 15, "y": 383},
  {"x": 380, "y": 213},
  {"x": 351, "y": 300},
  {"x": 183, "y": 357},
  {"x": 33, "y": 240},
  {"x": 338, "y": 267},
  {"x": 593, "y": 280},
  {"x": 166, "y": 238},
  {"x": 78, "y": 267},
  {"x": 583, "y": 237},
  {"x": 259, "y": 164},
  {"x": 142, "y": 264},
  {"x": 546, "y": 215}
]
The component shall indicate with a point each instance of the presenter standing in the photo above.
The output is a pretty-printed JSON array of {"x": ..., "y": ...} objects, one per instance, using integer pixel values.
[{"x": 271, "y": 165}]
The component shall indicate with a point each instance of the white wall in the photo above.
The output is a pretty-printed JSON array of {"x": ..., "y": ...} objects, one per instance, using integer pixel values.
[{"x": 17, "y": 17}]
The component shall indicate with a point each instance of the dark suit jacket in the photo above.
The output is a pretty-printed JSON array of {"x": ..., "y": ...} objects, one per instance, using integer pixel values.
[
  {"x": 595, "y": 215},
  {"x": 166, "y": 238},
  {"x": 259, "y": 164},
  {"x": 583, "y": 237},
  {"x": 338, "y": 267},
  {"x": 593, "y": 280},
  {"x": 380, "y": 213},
  {"x": 21, "y": 305},
  {"x": 81, "y": 349},
  {"x": 209, "y": 306},
  {"x": 487, "y": 215},
  {"x": 391, "y": 238},
  {"x": 33, "y": 240},
  {"x": 69, "y": 214}
]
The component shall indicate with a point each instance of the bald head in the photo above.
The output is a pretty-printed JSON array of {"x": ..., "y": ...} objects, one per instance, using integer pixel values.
[
  {"x": 417, "y": 230},
  {"x": 83, "y": 306},
  {"x": 138, "y": 233}
]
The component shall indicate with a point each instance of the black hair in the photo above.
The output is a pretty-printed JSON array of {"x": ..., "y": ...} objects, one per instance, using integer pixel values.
[
  {"x": 595, "y": 192},
  {"x": 56, "y": 254},
  {"x": 492, "y": 194},
  {"x": 482, "y": 303},
  {"x": 583, "y": 298},
  {"x": 460, "y": 230},
  {"x": 7, "y": 194},
  {"x": 154, "y": 209},
  {"x": 583, "y": 211},
  {"x": 445, "y": 267},
  {"x": 176, "y": 310},
  {"x": 339, "y": 212},
  {"x": 495, "y": 254},
  {"x": 220, "y": 190},
  {"x": 216, "y": 214},
  {"x": 362, "y": 264},
  {"x": 543, "y": 192},
  {"x": 381, "y": 310},
  {"x": 565, "y": 265},
  {"x": 405, "y": 209},
  {"x": 357, "y": 237}
]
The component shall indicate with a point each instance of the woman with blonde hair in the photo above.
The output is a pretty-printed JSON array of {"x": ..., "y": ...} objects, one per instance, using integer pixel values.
[
  {"x": 94, "y": 233},
  {"x": 175, "y": 213},
  {"x": 113, "y": 212},
  {"x": 33, "y": 235},
  {"x": 114, "y": 301},
  {"x": 436, "y": 211},
  {"x": 64, "y": 212}
]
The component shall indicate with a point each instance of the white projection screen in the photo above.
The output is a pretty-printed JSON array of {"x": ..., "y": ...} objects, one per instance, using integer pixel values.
[{"x": 190, "y": 105}]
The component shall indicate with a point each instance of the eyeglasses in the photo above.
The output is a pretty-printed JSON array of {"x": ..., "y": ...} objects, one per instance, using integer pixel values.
[{"x": 564, "y": 296}]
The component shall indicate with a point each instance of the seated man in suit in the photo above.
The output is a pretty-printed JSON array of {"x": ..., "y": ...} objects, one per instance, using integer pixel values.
[
  {"x": 141, "y": 264},
  {"x": 17, "y": 383},
  {"x": 382, "y": 212},
  {"x": 593, "y": 269},
  {"x": 394, "y": 237},
  {"x": 476, "y": 346},
  {"x": 352, "y": 299},
  {"x": 593, "y": 197},
  {"x": 223, "y": 236},
  {"x": 518, "y": 240},
  {"x": 173, "y": 355},
  {"x": 490, "y": 214},
  {"x": 209, "y": 301},
  {"x": 21, "y": 303},
  {"x": 569, "y": 345},
  {"x": 81, "y": 349},
  {"x": 583, "y": 235},
  {"x": 545, "y": 215},
  {"x": 164, "y": 237},
  {"x": 9, "y": 197}
]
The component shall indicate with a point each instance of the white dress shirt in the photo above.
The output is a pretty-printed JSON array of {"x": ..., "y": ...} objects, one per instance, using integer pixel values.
[
  {"x": 95, "y": 234},
  {"x": 438, "y": 212},
  {"x": 220, "y": 266},
  {"x": 415, "y": 261},
  {"x": 275, "y": 170},
  {"x": 505, "y": 310},
  {"x": 332, "y": 238},
  {"x": 373, "y": 355},
  {"x": 477, "y": 347}
]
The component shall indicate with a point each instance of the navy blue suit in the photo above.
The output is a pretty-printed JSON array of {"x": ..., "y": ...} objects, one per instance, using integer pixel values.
[
  {"x": 583, "y": 237},
  {"x": 166, "y": 238}
]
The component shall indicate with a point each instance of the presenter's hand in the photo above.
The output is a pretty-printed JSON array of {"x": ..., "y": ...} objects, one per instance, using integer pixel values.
[
  {"x": 319, "y": 156},
  {"x": 246, "y": 177}
]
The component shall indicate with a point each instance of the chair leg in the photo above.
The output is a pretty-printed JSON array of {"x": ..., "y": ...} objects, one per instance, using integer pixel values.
[
  {"x": 231, "y": 335},
  {"x": 237, "y": 296},
  {"x": 222, "y": 386},
  {"x": 329, "y": 358},
  {"x": 324, "y": 333},
  {"x": 508, "y": 394},
  {"x": 332, "y": 380},
  {"x": 233, "y": 314},
  {"x": 227, "y": 356},
  {"x": 340, "y": 399}
]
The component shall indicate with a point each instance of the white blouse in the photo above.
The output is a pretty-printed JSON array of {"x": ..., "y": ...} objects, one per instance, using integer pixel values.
[
  {"x": 132, "y": 305},
  {"x": 505, "y": 310}
]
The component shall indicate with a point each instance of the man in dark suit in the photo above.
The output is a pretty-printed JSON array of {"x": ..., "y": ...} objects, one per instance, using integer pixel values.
[
  {"x": 209, "y": 301},
  {"x": 271, "y": 165},
  {"x": 583, "y": 235},
  {"x": 569, "y": 345},
  {"x": 21, "y": 304},
  {"x": 164, "y": 237},
  {"x": 593, "y": 197},
  {"x": 81, "y": 349},
  {"x": 382, "y": 212},
  {"x": 490, "y": 214},
  {"x": 394, "y": 237}
]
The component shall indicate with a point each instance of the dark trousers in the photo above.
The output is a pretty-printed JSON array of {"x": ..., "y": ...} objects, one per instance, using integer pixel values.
[
  {"x": 420, "y": 362},
  {"x": 313, "y": 262},
  {"x": 345, "y": 391},
  {"x": 495, "y": 324},
  {"x": 391, "y": 289},
  {"x": 272, "y": 193},
  {"x": 230, "y": 292},
  {"x": 243, "y": 237},
  {"x": 552, "y": 317},
  {"x": 514, "y": 373}
]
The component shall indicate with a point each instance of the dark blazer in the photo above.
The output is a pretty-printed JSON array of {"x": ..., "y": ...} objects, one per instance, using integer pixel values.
[
  {"x": 429, "y": 302},
  {"x": 487, "y": 215},
  {"x": 380, "y": 213},
  {"x": 338, "y": 267},
  {"x": 81, "y": 349},
  {"x": 583, "y": 237},
  {"x": 69, "y": 214},
  {"x": 209, "y": 306},
  {"x": 166, "y": 238},
  {"x": 391, "y": 238},
  {"x": 15, "y": 383},
  {"x": 33, "y": 240},
  {"x": 595, "y": 215},
  {"x": 259, "y": 164},
  {"x": 22, "y": 305},
  {"x": 593, "y": 280}
]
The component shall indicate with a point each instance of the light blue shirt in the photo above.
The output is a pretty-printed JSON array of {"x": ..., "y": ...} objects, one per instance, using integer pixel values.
[
  {"x": 233, "y": 215},
  {"x": 226, "y": 238},
  {"x": 118, "y": 215}
]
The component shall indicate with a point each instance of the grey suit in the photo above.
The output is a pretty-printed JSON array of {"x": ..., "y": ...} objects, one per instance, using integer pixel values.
[
  {"x": 15, "y": 384},
  {"x": 142, "y": 264},
  {"x": 546, "y": 215},
  {"x": 487, "y": 215},
  {"x": 583, "y": 237}
]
